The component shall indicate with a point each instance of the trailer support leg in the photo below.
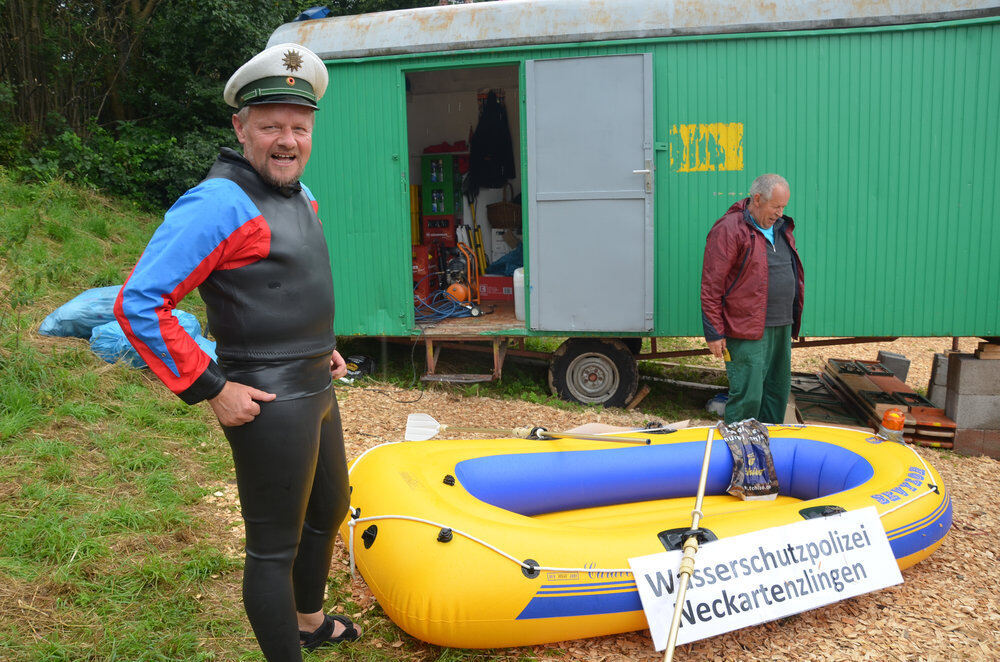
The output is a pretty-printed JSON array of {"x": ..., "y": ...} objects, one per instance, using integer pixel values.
[
  {"x": 499, "y": 354},
  {"x": 432, "y": 355}
]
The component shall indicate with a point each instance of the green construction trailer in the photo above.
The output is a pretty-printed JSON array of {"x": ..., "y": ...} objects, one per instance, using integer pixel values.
[{"x": 635, "y": 125}]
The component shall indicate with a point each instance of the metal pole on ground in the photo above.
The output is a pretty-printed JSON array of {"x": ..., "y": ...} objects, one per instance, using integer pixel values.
[
  {"x": 690, "y": 549},
  {"x": 421, "y": 427}
]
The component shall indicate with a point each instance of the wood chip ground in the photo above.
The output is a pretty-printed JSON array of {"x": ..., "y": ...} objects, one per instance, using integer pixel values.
[{"x": 948, "y": 607}]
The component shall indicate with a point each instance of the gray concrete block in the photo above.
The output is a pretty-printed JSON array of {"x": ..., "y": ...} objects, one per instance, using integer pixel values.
[
  {"x": 971, "y": 376},
  {"x": 939, "y": 370},
  {"x": 897, "y": 364},
  {"x": 937, "y": 393},
  {"x": 973, "y": 411}
]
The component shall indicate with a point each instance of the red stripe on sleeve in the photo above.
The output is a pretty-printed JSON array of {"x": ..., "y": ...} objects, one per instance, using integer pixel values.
[{"x": 248, "y": 243}]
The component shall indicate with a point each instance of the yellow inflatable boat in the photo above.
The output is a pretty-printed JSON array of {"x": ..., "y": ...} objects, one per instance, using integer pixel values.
[{"x": 509, "y": 542}]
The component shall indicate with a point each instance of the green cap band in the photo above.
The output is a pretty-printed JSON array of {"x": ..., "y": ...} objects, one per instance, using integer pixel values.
[{"x": 260, "y": 90}]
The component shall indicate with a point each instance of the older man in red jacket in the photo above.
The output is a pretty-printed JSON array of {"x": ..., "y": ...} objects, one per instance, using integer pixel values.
[{"x": 752, "y": 290}]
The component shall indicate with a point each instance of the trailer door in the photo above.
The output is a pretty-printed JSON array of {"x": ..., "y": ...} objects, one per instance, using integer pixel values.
[{"x": 590, "y": 186}]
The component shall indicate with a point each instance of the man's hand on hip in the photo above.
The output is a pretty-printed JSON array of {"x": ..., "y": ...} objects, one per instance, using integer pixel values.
[
  {"x": 236, "y": 403},
  {"x": 717, "y": 347},
  {"x": 338, "y": 367}
]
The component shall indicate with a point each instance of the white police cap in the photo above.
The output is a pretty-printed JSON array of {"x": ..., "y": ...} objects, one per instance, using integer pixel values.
[{"x": 285, "y": 73}]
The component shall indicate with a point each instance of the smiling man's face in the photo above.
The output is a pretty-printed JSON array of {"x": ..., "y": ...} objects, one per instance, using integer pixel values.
[{"x": 277, "y": 140}]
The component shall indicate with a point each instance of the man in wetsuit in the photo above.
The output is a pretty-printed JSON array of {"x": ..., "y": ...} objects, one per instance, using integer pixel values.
[{"x": 249, "y": 237}]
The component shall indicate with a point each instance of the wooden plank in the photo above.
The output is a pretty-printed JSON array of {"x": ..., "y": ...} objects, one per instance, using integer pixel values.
[
  {"x": 498, "y": 316},
  {"x": 933, "y": 444},
  {"x": 930, "y": 418},
  {"x": 643, "y": 392},
  {"x": 856, "y": 403},
  {"x": 891, "y": 384},
  {"x": 988, "y": 350},
  {"x": 935, "y": 433}
]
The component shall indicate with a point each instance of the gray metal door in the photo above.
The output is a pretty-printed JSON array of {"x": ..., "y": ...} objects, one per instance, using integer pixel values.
[{"x": 590, "y": 186}]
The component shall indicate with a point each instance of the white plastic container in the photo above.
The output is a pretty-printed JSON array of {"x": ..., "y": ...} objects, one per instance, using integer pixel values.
[{"x": 519, "y": 293}]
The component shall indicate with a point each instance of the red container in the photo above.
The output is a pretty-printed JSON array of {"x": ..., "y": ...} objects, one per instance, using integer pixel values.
[
  {"x": 439, "y": 230},
  {"x": 424, "y": 257},
  {"x": 425, "y": 280},
  {"x": 496, "y": 288},
  {"x": 423, "y": 288}
]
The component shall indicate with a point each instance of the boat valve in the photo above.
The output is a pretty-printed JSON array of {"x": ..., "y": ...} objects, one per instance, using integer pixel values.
[
  {"x": 368, "y": 537},
  {"x": 444, "y": 535}
]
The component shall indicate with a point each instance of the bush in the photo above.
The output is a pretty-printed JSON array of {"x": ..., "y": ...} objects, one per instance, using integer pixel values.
[
  {"x": 140, "y": 163},
  {"x": 12, "y": 134}
]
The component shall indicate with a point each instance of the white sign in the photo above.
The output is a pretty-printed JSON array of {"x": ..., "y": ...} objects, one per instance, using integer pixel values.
[{"x": 767, "y": 574}]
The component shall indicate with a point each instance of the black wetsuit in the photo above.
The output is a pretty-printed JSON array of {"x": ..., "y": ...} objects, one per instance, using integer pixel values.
[{"x": 259, "y": 258}]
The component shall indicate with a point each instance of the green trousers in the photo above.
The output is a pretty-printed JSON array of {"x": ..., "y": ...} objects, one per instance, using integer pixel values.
[{"x": 760, "y": 376}]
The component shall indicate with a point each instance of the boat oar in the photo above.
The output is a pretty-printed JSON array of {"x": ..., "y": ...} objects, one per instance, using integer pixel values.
[
  {"x": 690, "y": 549},
  {"x": 421, "y": 427}
]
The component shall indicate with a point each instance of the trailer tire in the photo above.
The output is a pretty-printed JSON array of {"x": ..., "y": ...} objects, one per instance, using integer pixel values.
[
  {"x": 634, "y": 344},
  {"x": 594, "y": 372}
]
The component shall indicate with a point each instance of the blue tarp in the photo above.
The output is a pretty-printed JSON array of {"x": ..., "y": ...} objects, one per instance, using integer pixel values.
[
  {"x": 510, "y": 262},
  {"x": 321, "y": 11},
  {"x": 78, "y": 317},
  {"x": 109, "y": 342},
  {"x": 91, "y": 315}
]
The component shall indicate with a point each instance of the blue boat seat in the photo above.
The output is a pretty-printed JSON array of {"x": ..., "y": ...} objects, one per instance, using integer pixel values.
[{"x": 538, "y": 483}]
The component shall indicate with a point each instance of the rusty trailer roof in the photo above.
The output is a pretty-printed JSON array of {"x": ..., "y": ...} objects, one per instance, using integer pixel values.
[{"x": 508, "y": 23}]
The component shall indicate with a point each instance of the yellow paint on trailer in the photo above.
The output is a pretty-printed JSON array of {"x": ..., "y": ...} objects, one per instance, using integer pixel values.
[{"x": 706, "y": 147}]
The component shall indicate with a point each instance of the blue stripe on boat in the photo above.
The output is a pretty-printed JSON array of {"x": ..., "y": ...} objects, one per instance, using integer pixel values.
[
  {"x": 597, "y": 586},
  {"x": 935, "y": 528},
  {"x": 581, "y": 605}
]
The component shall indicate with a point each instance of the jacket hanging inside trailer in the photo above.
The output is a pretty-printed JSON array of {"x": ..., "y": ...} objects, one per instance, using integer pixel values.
[{"x": 491, "y": 158}]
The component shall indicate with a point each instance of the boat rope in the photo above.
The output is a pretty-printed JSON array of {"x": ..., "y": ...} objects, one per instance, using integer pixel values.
[
  {"x": 355, "y": 520},
  {"x": 525, "y": 566},
  {"x": 931, "y": 487}
]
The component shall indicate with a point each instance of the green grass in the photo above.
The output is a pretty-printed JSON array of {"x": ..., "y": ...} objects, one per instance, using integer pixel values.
[
  {"x": 102, "y": 545},
  {"x": 108, "y": 551}
]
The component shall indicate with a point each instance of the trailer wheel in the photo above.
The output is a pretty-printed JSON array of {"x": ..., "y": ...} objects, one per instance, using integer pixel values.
[
  {"x": 634, "y": 344},
  {"x": 594, "y": 372}
]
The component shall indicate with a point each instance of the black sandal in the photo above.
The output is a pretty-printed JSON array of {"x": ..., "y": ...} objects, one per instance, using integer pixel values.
[{"x": 322, "y": 636}]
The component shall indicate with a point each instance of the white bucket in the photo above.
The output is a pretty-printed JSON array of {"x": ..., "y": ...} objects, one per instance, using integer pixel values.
[{"x": 519, "y": 293}]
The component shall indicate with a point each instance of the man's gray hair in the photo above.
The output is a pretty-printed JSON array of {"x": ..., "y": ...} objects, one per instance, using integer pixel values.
[
  {"x": 243, "y": 113},
  {"x": 765, "y": 185}
]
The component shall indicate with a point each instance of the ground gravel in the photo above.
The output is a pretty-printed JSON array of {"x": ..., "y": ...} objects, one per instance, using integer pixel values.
[{"x": 947, "y": 608}]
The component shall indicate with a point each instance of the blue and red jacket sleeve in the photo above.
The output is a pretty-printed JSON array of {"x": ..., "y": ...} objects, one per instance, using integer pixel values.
[{"x": 213, "y": 226}]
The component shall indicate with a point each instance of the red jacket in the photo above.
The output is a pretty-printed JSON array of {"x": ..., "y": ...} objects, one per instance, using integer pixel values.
[{"x": 734, "y": 277}]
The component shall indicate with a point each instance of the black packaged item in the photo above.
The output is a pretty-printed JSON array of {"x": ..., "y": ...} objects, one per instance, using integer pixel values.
[
  {"x": 754, "y": 477},
  {"x": 359, "y": 366}
]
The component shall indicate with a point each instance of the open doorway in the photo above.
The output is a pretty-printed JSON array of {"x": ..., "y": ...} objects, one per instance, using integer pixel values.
[{"x": 463, "y": 144}]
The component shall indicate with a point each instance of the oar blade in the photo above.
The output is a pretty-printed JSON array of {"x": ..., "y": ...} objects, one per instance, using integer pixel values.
[{"x": 420, "y": 427}]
